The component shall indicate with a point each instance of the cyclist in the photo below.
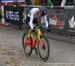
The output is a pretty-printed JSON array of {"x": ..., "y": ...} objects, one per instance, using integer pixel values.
[{"x": 33, "y": 14}]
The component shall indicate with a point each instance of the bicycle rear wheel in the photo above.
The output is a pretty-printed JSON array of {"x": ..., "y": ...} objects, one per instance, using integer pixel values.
[
  {"x": 44, "y": 48},
  {"x": 26, "y": 43}
]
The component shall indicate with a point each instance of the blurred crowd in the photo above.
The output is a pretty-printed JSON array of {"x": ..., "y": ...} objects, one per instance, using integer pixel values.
[{"x": 48, "y": 2}]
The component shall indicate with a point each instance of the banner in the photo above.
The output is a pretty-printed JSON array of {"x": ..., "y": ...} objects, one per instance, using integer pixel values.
[
  {"x": 61, "y": 21},
  {"x": 22, "y": 2},
  {"x": 70, "y": 22},
  {"x": 13, "y": 15},
  {"x": 5, "y": 2}
]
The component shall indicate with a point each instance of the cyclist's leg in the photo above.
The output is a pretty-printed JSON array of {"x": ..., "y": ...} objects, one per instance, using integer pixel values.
[
  {"x": 27, "y": 20},
  {"x": 35, "y": 21},
  {"x": 28, "y": 27}
]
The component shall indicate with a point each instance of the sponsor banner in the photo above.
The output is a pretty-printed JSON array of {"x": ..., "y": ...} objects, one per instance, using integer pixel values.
[
  {"x": 70, "y": 22},
  {"x": 56, "y": 19},
  {"x": 13, "y": 15},
  {"x": 22, "y": 2},
  {"x": 5, "y": 2},
  {"x": 61, "y": 21}
]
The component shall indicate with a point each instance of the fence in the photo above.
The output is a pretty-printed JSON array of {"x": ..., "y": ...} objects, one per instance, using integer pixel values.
[{"x": 61, "y": 19}]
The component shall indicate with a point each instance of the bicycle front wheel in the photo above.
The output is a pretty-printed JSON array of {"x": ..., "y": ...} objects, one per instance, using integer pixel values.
[
  {"x": 26, "y": 43},
  {"x": 44, "y": 48}
]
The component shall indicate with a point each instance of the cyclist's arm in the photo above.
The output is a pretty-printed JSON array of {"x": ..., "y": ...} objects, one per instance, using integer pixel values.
[{"x": 46, "y": 21}]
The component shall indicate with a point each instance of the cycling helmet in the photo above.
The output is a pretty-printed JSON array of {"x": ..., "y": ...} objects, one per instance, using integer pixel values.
[{"x": 43, "y": 10}]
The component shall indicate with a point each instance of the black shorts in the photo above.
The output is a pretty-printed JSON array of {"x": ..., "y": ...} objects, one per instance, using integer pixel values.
[{"x": 34, "y": 20}]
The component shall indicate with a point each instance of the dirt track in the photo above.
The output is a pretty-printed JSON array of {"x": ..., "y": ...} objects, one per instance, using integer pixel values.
[{"x": 11, "y": 51}]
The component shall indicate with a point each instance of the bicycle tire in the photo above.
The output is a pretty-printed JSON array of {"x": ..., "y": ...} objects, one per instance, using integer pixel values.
[
  {"x": 48, "y": 49},
  {"x": 24, "y": 45}
]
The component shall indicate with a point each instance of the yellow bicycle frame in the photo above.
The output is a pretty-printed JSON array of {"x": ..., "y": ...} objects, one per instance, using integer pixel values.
[
  {"x": 38, "y": 34},
  {"x": 35, "y": 35}
]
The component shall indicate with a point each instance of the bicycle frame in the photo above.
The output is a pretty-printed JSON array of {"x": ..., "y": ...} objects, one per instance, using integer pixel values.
[
  {"x": 36, "y": 41},
  {"x": 37, "y": 37},
  {"x": 38, "y": 34}
]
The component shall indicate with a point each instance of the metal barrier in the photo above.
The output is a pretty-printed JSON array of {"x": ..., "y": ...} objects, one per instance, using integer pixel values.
[
  {"x": 13, "y": 15},
  {"x": 61, "y": 19}
]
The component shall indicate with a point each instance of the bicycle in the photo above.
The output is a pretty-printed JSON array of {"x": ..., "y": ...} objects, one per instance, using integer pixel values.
[{"x": 36, "y": 40}]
